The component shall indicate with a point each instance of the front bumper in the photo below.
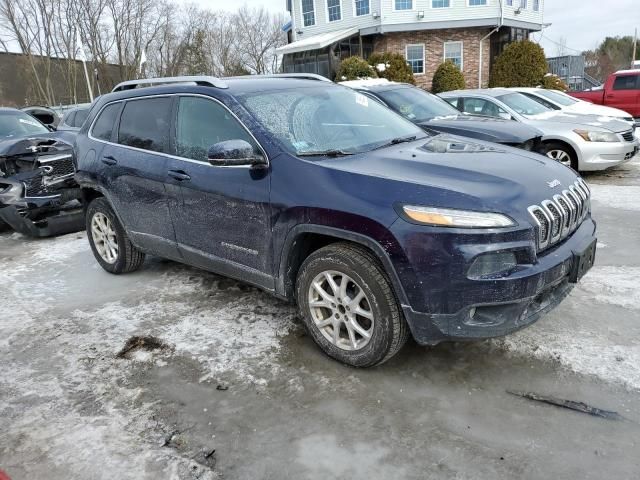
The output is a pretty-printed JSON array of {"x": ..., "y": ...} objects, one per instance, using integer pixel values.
[
  {"x": 459, "y": 309},
  {"x": 600, "y": 156}
]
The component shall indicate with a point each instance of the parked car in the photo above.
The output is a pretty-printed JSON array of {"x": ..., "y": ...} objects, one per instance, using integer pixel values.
[
  {"x": 38, "y": 194},
  {"x": 44, "y": 115},
  {"x": 556, "y": 100},
  {"x": 320, "y": 195},
  {"x": 432, "y": 113},
  {"x": 621, "y": 90},
  {"x": 583, "y": 142},
  {"x": 73, "y": 119}
]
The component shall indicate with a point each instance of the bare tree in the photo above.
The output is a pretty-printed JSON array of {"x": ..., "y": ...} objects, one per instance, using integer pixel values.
[{"x": 260, "y": 33}]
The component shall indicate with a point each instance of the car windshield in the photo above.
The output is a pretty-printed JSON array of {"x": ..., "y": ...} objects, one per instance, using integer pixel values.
[
  {"x": 523, "y": 104},
  {"x": 18, "y": 124},
  {"x": 557, "y": 97},
  {"x": 416, "y": 104},
  {"x": 325, "y": 118}
]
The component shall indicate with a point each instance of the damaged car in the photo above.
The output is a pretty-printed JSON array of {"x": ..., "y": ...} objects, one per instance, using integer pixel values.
[{"x": 38, "y": 194}]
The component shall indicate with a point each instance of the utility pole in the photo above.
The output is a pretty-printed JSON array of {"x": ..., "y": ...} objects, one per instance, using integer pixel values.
[{"x": 635, "y": 45}]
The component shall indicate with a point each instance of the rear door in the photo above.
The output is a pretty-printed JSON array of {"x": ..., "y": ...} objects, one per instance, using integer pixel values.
[
  {"x": 134, "y": 167},
  {"x": 625, "y": 94},
  {"x": 222, "y": 214}
]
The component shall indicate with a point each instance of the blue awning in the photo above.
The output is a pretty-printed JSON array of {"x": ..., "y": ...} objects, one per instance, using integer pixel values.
[{"x": 287, "y": 26}]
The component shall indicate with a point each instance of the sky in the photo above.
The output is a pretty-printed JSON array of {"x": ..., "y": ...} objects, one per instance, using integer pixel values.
[{"x": 581, "y": 23}]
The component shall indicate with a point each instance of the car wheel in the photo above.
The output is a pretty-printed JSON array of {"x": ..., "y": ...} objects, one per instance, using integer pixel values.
[
  {"x": 562, "y": 154},
  {"x": 109, "y": 241},
  {"x": 4, "y": 226},
  {"x": 348, "y": 306}
]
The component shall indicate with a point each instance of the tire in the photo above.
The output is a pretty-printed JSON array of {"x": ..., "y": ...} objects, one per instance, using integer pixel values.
[
  {"x": 4, "y": 227},
  {"x": 562, "y": 153},
  {"x": 384, "y": 324},
  {"x": 118, "y": 255}
]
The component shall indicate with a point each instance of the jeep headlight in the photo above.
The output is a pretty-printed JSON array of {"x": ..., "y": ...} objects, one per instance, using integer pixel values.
[
  {"x": 446, "y": 217},
  {"x": 595, "y": 136}
]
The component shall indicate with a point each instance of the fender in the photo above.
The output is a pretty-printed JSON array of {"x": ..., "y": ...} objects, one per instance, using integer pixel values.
[{"x": 284, "y": 290}]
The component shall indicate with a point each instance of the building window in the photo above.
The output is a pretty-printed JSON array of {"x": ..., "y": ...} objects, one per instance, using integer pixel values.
[
  {"x": 440, "y": 4},
  {"x": 536, "y": 5},
  {"x": 415, "y": 58},
  {"x": 403, "y": 4},
  {"x": 523, "y": 4},
  {"x": 509, "y": 3},
  {"x": 453, "y": 52},
  {"x": 362, "y": 7},
  {"x": 308, "y": 13},
  {"x": 477, "y": 3},
  {"x": 334, "y": 10}
]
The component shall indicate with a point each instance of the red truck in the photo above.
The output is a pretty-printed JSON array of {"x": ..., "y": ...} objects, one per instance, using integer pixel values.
[{"x": 621, "y": 90}]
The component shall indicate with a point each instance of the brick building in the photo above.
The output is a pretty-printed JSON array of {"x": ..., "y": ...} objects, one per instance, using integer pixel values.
[{"x": 471, "y": 33}]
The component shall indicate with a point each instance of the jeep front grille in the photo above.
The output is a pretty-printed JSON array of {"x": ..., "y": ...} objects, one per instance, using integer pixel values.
[{"x": 556, "y": 218}]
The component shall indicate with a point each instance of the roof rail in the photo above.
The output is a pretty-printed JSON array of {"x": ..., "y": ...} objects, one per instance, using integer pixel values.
[
  {"x": 301, "y": 76},
  {"x": 204, "y": 81}
]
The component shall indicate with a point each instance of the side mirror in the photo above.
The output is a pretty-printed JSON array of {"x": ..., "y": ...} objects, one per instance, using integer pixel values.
[
  {"x": 505, "y": 116},
  {"x": 234, "y": 153}
]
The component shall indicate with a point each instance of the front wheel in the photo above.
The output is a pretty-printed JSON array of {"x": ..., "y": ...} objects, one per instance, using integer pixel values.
[
  {"x": 562, "y": 154},
  {"x": 348, "y": 306}
]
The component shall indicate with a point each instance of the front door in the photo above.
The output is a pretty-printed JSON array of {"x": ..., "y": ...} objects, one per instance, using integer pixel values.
[
  {"x": 625, "y": 94},
  {"x": 221, "y": 214}
]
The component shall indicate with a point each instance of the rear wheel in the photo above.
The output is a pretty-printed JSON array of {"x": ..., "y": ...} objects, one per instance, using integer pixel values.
[
  {"x": 348, "y": 306},
  {"x": 563, "y": 154},
  {"x": 109, "y": 241}
]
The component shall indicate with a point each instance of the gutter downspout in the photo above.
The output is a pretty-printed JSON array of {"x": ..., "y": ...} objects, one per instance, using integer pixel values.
[
  {"x": 294, "y": 35},
  {"x": 500, "y": 23}
]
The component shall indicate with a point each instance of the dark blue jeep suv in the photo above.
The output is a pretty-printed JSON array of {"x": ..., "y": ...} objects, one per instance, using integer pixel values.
[{"x": 322, "y": 196}]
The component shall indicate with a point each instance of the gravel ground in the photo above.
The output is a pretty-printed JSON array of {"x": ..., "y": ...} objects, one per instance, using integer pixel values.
[{"x": 237, "y": 390}]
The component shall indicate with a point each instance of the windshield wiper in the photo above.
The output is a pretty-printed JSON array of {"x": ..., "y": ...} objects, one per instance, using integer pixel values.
[
  {"x": 325, "y": 153},
  {"x": 397, "y": 141}
]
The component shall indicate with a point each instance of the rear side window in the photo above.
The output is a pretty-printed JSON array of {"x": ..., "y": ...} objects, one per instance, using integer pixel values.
[
  {"x": 80, "y": 117},
  {"x": 145, "y": 124},
  {"x": 203, "y": 123},
  {"x": 627, "y": 82},
  {"x": 68, "y": 119},
  {"x": 103, "y": 126}
]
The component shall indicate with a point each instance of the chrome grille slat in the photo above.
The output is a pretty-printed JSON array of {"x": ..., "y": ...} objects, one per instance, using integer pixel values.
[{"x": 556, "y": 218}]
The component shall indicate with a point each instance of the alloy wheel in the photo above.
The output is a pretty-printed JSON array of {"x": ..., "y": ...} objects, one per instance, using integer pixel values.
[
  {"x": 560, "y": 156},
  {"x": 104, "y": 238},
  {"x": 341, "y": 310}
]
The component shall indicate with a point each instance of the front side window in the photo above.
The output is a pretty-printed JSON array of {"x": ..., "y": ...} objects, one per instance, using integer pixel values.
[
  {"x": 417, "y": 105},
  {"x": 81, "y": 116},
  {"x": 627, "y": 82},
  {"x": 362, "y": 7},
  {"x": 313, "y": 120},
  {"x": 103, "y": 127},
  {"x": 440, "y": 3},
  {"x": 334, "y": 10},
  {"x": 145, "y": 124},
  {"x": 403, "y": 4},
  {"x": 68, "y": 119},
  {"x": 523, "y": 104},
  {"x": 308, "y": 13},
  {"x": 202, "y": 123},
  {"x": 415, "y": 58},
  {"x": 477, "y": 3},
  {"x": 453, "y": 52},
  {"x": 484, "y": 108}
]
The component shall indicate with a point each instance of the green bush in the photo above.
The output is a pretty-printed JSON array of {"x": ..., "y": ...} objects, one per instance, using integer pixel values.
[
  {"x": 396, "y": 68},
  {"x": 521, "y": 64},
  {"x": 447, "y": 77},
  {"x": 554, "y": 82},
  {"x": 355, "y": 68}
]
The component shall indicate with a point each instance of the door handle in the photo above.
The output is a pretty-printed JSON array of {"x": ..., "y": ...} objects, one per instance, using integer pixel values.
[
  {"x": 179, "y": 175},
  {"x": 109, "y": 160}
]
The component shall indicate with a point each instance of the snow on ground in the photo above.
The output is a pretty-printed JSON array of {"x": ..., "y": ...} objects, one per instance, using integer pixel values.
[{"x": 621, "y": 197}]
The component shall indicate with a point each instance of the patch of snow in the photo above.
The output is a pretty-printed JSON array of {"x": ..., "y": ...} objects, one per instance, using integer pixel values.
[
  {"x": 614, "y": 285},
  {"x": 622, "y": 197}
]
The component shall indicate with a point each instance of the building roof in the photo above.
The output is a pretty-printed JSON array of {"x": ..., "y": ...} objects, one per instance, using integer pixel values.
[{"x": 318, "y": 41}]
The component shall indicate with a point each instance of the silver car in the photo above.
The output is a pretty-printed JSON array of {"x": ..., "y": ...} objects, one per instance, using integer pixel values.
[{"x": 583, "y": 142}]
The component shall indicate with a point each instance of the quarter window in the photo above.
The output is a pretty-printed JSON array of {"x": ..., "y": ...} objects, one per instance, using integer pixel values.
[
  {"x": 334, "y": 10},
  {"x": 403, "y": 4},
  {"x": 202, "y": 123},
  {"x": 627, "y": 82},
  {"x": 362, "y": 8},
  {"x": 477, "y": 3},
  {"x": 103, "y": 127},
  {"x": 145, "y": 124},
  {"x": 308, "y": 13},
  {"x": 453, "y": 52},
  {"x": 440, "y": 4},
  {"x": 415, "y": 58}
]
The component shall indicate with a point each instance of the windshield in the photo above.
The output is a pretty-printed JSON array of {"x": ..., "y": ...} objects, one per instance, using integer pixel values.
[
  {"x": 18, "y": 124},
  {"x": 557, "y": 97},
  {"x": 523, "y": 104},
  {"x": 327, "y": 118},
  {"x": 416, "y": 104}
]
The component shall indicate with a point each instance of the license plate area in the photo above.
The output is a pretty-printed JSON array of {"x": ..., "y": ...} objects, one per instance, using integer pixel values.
[{"x": 582, "y": 262}]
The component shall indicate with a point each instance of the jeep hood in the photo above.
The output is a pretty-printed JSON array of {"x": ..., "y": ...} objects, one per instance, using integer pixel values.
[{"x": 481, "y": 128}]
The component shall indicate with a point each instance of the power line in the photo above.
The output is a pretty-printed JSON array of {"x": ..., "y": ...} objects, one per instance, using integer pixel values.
[{"x": 542, "y": 35}]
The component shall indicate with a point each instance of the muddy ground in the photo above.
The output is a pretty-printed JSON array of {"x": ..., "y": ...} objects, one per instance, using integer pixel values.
[{"x": 231, "y": 387}]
